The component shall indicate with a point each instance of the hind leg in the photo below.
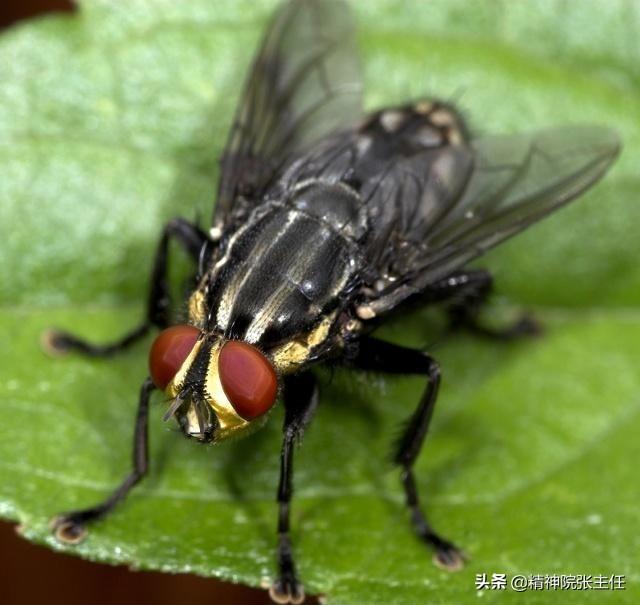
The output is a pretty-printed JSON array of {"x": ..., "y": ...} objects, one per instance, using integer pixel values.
[
  {"x": 464, "y": 293},
  {"x": 382, "y": 356}
]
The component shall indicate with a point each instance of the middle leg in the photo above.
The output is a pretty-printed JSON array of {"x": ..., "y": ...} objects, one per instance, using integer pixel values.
[
  {"x": 380, "y": 356},
  {"x": 300, "y": 402}
]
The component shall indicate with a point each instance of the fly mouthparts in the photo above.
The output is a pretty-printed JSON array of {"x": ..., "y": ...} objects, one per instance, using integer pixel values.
[{"x": 173, "y": 408}]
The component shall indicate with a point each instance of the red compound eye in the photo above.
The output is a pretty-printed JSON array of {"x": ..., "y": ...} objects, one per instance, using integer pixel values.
[
  {"x": 168, "y": 352},
  {"x": 248, "y": 379}
]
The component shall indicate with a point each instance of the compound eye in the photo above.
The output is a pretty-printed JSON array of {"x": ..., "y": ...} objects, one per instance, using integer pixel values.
[
  {"x": 248, "y": 379},
  {"x": 168, "y": 352}
]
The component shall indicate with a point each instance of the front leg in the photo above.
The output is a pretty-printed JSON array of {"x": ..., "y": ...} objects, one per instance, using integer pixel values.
[
  {"x": 192, "y": 239},
  {"x": 379, "y": 356},
  {"x": 300, "y": 402},
  {"x": 71, "y": 527}
]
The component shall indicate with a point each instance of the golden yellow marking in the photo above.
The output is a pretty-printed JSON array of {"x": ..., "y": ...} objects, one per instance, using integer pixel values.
[
  {"x": 423, "y": 107},
  {"x": 230, "y": 423},
  {"x": 365, "y": 312},
  {"x": 319, "y": 334},
  {"x": 442, "y": 117},
  {"x": 197, "y": 311},
  {"x": 174, "y": 387},
  {"x": 290, "y": 355}
]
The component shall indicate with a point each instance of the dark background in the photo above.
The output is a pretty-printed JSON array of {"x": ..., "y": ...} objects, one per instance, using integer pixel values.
[{"x": 32, "y": 574}]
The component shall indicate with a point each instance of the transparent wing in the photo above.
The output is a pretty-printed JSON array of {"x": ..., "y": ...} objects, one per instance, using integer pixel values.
[
  {"x": 515, "y": 181},
  {"x": 304, "y": 84}
]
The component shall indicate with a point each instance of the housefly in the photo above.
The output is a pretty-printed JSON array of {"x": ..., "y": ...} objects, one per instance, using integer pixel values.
[{"x": 326, "y": 221}]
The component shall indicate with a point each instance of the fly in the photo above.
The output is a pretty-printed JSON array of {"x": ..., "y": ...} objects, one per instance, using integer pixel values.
[{"x": 326, "y": 221}]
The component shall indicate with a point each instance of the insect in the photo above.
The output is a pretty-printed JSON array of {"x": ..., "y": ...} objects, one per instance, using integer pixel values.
[{"x": 328, "y": 220}]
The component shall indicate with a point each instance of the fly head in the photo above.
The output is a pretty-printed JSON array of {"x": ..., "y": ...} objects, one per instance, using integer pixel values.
[{"x": 218, "y": 388}]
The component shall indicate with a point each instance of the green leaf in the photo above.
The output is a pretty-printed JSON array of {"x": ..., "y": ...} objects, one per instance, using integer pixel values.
[{"x": 111, "y": 122}]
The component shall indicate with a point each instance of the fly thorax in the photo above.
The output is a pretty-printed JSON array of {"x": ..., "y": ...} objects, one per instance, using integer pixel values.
[
  {"x": 336, "y": 204},
  {"x": 286, "y": 272}
]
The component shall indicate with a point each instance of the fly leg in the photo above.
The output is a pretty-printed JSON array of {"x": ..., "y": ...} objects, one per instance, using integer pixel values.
[
  {"x": 70, "y": 527},
  {"x": 465, "y": 292},
  {"x": 193, "y": 239},
  {"x": 300, "y": 402},
  {"x": 380, "y": 356}
]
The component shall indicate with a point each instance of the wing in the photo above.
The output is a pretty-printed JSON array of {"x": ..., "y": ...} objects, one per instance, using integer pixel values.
[
  {"x": 451, "y": 204},
  {"x": 304, "y": 84}
]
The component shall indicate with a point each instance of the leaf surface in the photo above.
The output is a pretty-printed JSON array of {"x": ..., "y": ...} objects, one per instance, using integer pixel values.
[{"x": 111, "y": 122}]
